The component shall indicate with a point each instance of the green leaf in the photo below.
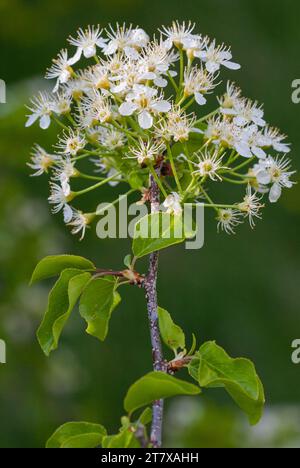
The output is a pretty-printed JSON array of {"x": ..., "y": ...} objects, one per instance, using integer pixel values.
[
  {"x": 61, "y": 302},
  {"x": 167, "y": 230},
  {"x": 127, "y": 260},
  {"x": 125, "y": 439},
  {"x": 146, "y": 416},
  {"x": 171, "y": 333},
  {"x": 77, "y": 435},
  {"x": 135, "y": 180},
  {"x": 237, "y": 376},
  {"x": 55, "y": 264},
  {"x": 193, "y": 347},
  {"x": 154, "y": 386},
  {"x": 97, "y": 304}
]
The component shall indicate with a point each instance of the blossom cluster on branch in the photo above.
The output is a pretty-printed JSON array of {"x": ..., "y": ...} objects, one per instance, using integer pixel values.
[{"x": 138, "y": 107}]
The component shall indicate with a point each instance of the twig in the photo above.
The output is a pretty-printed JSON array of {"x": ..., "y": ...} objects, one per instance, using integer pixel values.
[{"x": 151, "y": 296}]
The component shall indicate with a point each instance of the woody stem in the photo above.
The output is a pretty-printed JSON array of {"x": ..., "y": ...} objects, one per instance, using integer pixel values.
[{"x": 152, "y": 306}]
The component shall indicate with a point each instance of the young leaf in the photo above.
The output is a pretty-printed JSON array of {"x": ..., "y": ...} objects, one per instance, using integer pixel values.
[
  {"x": 55, "y": 264},
  {"x": 154, "y": 386},
  {"x": 77, "y": 435},
  {"x": 127, "y": 260},
  {"x": 61, "y": 302},
  {"x": 124, "y": 439},
  {"x": 146, "y": 416},
  {"x": 171, "y": 333},
  {"x": 212, "y": 367},
  {"x": 166, "y": 230},
  {"x": 97, "y": 304},
  {"x": 193, "y": 347}
]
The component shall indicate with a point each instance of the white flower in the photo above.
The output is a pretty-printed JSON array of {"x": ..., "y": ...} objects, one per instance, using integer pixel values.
[
  {"x": 146, "y": 151},
  {"x": 198, "y": 82},
  {"x": 222, "y": 132},
  {"x": 243, "y": 111},
  {"x": 95, "y": 108},
  {"x": 86, "y": 42},
  {"x": 208, "y": 164},
  {"x": 248, "y": 143},
  {"x": 173, "y": 204},
  {"x": 276, "y": 172},
  {"x": 228, "y": 219},
  {"x": 64, "y": 171},
  {"x": 155, "y": 62},
  {"x": 178, "y": 34},
  {"x": 215, "y": 56},
  {"x": 273, "y": 138},
  {"x": 80, "y": 222},
  {"x": 145, "y": 102},
  {"x": 60, "y": 197},
  {"x": 98, "y": 77},
  {"x": 125, "y": 40},
  {"x": 41, "y": 108},
  {"x": 251, "y": 206},
  {"x": 111, "y": 138},
  {"x": 139, "y": 38},
  {"x": 194, "y": 45},
  {"x": 61, "y": 69},
  {"x": 71, "y": 142},
  {"x": 62, "y": 102},
  {"x": 132, "y": 74},
  {"x": 247, "y": 112},
  {"x": 230, "y": 100},
  {"x": 76, "y": 87},
  {"x": 41, "y": 161},
  {"x": 178, "y": 125}
]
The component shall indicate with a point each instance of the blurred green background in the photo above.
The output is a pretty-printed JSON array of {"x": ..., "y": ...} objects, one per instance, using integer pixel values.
[{"x": 243, "y": 291}]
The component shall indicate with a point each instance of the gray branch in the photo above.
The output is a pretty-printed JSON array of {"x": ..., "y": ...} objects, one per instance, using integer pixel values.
[{"x": 159, "y": 363}]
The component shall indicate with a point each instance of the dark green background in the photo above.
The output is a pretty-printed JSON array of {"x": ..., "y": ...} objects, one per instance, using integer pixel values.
[{"x": 243, "y": 290}]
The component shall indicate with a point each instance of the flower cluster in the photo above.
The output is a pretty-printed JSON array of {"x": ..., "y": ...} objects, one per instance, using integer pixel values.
[{"x": 136, "y": 111}]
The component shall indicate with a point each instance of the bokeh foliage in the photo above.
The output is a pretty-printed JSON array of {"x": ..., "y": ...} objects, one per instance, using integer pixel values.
[{"x": 241, "y": 290}]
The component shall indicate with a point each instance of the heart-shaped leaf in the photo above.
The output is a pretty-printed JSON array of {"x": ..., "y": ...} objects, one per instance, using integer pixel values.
[
  {"x": 154, "y": 386},
  {"x": 55, "y": 264},
  {"x": 212, "y": 367},
  {"x": 158, "y": 231},
  {"x": 171, "y": 333},
  {"x": 97, "y": 304},
  {"x": 77, "y": 435},
  {"x": 61, "y": 302}
]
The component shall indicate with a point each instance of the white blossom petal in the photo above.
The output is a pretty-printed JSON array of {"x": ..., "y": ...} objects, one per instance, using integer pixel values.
[
  {"x": 200, "y": 99},
  {"x": 145, "y": 120},
  {"x": 31, "y": 120},
  {"x": 127, "y": 108},
  {"x": 45, "y": 122},
  {"x": 244, "y": 150},
  {"x": 68, "y": 214},
  {"x": 231, "y": 65},
  {"x": 263, "y": 177},
  {"x": 161, "y": 106},
  {"x": 275, "y": 193}
]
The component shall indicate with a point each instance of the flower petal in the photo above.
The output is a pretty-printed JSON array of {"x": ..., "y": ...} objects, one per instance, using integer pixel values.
[
  {"x": 145, "y": 120},
  {"x": 161, "y": 106},
  {"x": 275, "y": 193},
  {"x": 200, "y": 99},
  {"x": 45, "y": 122},
  {"x": 127, "y": 108},
  {"x": 231, "y": 65}
]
